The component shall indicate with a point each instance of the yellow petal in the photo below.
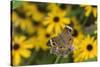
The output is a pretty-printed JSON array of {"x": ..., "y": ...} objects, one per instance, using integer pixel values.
[
  {"x": 62, "y": 26},
  {"x": 57, "y": 29},
  {"x": 25, "y": 53},
  {"x": 50, "y": 28},
  {"x": 46, "y": 22},
  {"x": 14, "y": 17},
  {"x": 16, "y": 59},
  {"x": 28, "y": 46},
  {"x": 21, "y": 38},
  {"x": 66, "y": 20},
  {"x": 88, "y": 10},
  {"x": 94, "y": 12}
]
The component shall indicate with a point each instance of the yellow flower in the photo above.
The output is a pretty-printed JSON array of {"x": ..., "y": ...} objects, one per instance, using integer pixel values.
[
  {"x": 90, "y": 9},
  {"x": 14, "y": 17},
  {"x": 52, "y": 6},
  {"x": 75, "y": 22},
  {"x": 24, "y": 23},
  {"x": 56, "y": 21},
  {"x": 87, "y": 49},
  {"x": 65, "y": 8},
  {"x": 32, "y": 11},
  {"x": 77, "y": 31},
  {"x": 40, "y": 39},
  {"x": 55, "y": 7},
  {"x": 76, "y": 42},
  {"x": 20, "y": 48}
]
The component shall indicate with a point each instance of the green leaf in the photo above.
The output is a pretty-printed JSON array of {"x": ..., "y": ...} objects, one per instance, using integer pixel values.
[{"x": 45, "y": 58}]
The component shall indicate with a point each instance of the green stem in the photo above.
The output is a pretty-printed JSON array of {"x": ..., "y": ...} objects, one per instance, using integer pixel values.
[
  {"x": 57, "y": 59},
  {"x": 82, "y": 16},
  {"x": 85, "y": 21}
]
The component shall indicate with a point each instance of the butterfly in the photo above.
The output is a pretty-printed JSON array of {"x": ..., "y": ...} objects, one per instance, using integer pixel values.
[{"x": 62, "y": 44}]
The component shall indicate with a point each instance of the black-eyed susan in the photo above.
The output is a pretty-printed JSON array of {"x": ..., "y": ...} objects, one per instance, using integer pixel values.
[
  {"x": 14, "y": 17},
  {"x": 90, "y": 9},
  {"x": 20, "y": 20},
  {"x": 77, "y": 31},
  {"x": 40, "y": 39},
  {"x": 20, "y": 48},
  {"x": 32, "y": 11},
  {"x": 63, "y": 6},
  {"x": 52, "y": 6},
  {"x": 76, "y": 43},
  {"x": 75, "y": 22},
  {"x": 24, "y": 25},
  {"x": 87, "y": 49},
  {"x": 55, "y": 7},
  {"x": 55, "y": 21}
]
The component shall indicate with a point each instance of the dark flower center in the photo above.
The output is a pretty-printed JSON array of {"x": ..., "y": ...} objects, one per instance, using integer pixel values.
[
  {"x": 17, "y": 29},
  {"x": 90, "y": 21},
  {"x": 41, "y": 8},
  {"x": 89, "y": 47},
  {"x": 56, "y": 19},
  {"x": 16, "y": 46},
  {"x": 75, "y": 33},
  {"x": 63, "y": 6},
  {"x": 94, "y": 6},
  {"x": 20, "y": 12},
  {"x": 47, "y": 35},
  {"x": 36, "y": 23},
  {"x": 71, "y": 24}
]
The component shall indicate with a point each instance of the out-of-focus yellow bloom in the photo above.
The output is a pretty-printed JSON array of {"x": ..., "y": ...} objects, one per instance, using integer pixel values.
[
  {"x": 55, "y": 7},
  {"x": 90, "y": 9},
  {"x": 52, "y": 7},
  {"x": 14, "y": 17},
  {"x": 32, "y": 11},
  {"x": 41, "y": 39},
  {"x": 87, "y": 49},
  {"x": 20, "y": 48},
  {"x": 76, "y": 42},
  {"x": 75, "y": 23},
  {"x": 77, "y": 31},
  {"x": 65, "y": 8},
  {"x": 55, "y": 21},
  {"x": 24, "y": 23}
]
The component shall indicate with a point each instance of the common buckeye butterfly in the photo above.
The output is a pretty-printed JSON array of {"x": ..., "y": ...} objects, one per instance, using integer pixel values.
[{"x": 62, "y": 44}]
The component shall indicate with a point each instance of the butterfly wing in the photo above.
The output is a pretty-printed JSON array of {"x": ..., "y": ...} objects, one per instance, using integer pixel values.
[{"x": 61, "y": 43}]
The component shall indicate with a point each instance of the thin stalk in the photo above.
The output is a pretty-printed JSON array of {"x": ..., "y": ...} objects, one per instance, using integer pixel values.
[
  {"x": 57, "y": 59},
  {"x": 85, "y": 21}
]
